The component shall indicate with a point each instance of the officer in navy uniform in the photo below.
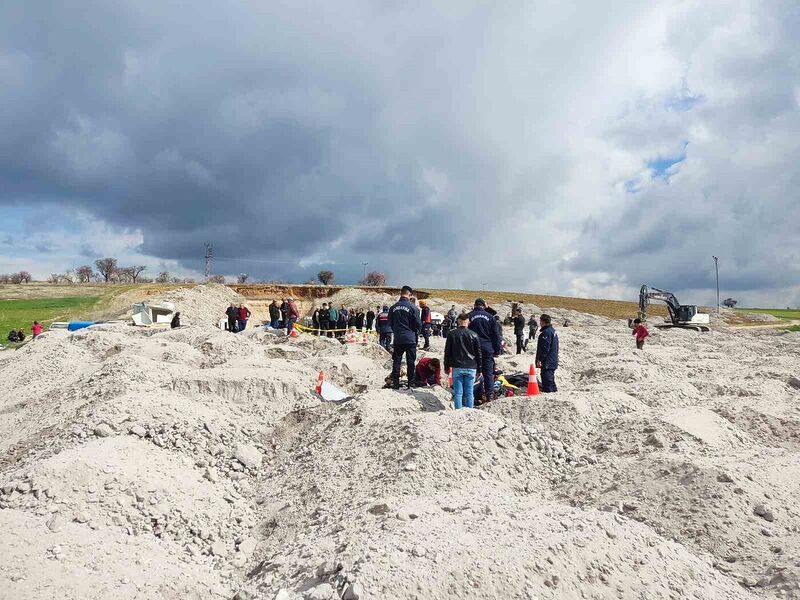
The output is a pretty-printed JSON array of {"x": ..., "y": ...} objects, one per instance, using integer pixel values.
[
  {"x": 483, "y": 323},
  {"x": 406, "y": 324}
]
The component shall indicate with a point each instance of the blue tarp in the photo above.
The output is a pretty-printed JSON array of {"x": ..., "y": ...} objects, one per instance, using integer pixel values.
[{"x": 75, "y": 325}]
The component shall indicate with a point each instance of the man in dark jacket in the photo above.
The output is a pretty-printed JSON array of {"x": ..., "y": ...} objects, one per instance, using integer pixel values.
[
  {"x": 547, "y": 354},
  {"x": 484, "y": 325},
  {"x": 323, "y": 318},
  {"x": 274, "y": 315},
  {"x": 405, "y": 322},
  {"x": 533, "y": 326},
  {"x": 384, "y": 329},
  {"x": 462, "y": 353},
  {"x": 233, "y": 318},
  {"x": 315, "y": 321},
  {"x": 370, "y": 319},
  {"x": 284, "y": 309},
  {"x": 425, "y": 317},
  {"x": 519, "y": 331}
]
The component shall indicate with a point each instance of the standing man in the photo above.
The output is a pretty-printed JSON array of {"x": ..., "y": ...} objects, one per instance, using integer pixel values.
[
  {"x": 274, "y": 315},
  {"x": 452, "y": 315},
  {"x": 292, "y": 314},
  {"x": 483, "y": 324},
  {"x": 462, "y": 353},
  {"x": 315, "y": 321},
  {"x": 333, "y": 320},
  {"x": 284, "y": 309},
  {"x": 519, "y": 331},
  {"x": 405, "y": 323},
  {"x": 370, "y": 319},
  {"x": 547, "y": 354},
  {"x": 425, "y": 316},
  {"x": 323, "y": 318},
  {"x": 244, "y": 316},
  {"x": 233, "y": 316},
  {"x": 384, "y": 328},
  {"x": 533, "y": 326},
  {"x": 640, "y": 332}
]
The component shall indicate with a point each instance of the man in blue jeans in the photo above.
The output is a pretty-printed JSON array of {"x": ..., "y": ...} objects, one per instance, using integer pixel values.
[
  {"x": 462, "y": 353},
  {"x": 405, "y": 322},
  {"x": 547, "y": 354}
]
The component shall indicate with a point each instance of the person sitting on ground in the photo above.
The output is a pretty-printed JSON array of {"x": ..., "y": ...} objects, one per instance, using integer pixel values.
[
  {"x": 640, "y": 332},
  {"x": 13, "y": 336},
  {"x": 428, "y": 372},
  {"x": 547, "y": 354},
  {"x": 462, "y": 354},
  {"x": 176, "y": 321},
  {"x": 21, "y": 335}
]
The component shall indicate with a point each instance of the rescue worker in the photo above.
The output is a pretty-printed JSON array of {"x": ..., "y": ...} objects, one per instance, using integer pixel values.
[
  {"x": 425, "y": 316},
  {"x": 384, "y": 329},
  {"x": 406, "y": 324},
  {"x": 519, "y": 331},
  {"x": 547, "y": 354},
  {"x": 483, "y": 324}
]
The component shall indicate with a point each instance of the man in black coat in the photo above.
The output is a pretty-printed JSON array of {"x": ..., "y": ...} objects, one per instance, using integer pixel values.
[
  {"x": 405, "y": 322},
  {"x": 547, "y": 354}
]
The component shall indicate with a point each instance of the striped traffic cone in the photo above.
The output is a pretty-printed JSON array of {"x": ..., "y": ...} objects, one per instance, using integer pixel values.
[
  {"x": 533, "y": 385},
  {"x": 320, "y": 379}
]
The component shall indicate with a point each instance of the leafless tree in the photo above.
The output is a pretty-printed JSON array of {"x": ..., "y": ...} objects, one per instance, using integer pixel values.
[
  {"x": 242, "y": 278},
  {"x": 325, "y": 277},
  {"x": 730, "y": 302},
  {"x": 85, "y": 273},
  {"x": 25, "y": 277},
  {"x": 134, "y": 272},
  {"x": 374, "y": 279},
  {"x": 216, "y": 279},
  {"x": 107, "y": 267},
  {"x": 163, "y": 277}
]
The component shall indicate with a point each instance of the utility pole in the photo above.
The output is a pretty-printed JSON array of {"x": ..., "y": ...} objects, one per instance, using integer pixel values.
[
  {"x": 209, "y": 256},
  {"x": 716, "y": 268},
  {"x": 365, "y": 271}
]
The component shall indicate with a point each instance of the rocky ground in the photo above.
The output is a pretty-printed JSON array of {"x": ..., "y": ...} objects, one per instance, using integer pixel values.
[{"x": 194, "y": 463}]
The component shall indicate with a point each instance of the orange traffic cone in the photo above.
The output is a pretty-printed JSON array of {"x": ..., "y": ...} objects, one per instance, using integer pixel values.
[
  {"x": 533, "y": 385},
  {"x": 320, "y": 379},
  {"x": 294, "y": 331},
  {"x": 364, "y": 339},
  {"x": 450, "y": 377}
]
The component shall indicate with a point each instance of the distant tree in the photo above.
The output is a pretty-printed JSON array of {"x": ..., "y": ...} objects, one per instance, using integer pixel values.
[
  {"x": 163, "y": 277},
  {"x": 188, "y": 280},
  {"x": 216, "y": 279},
  {"x": 85, "y": 273},
  {"x": 54, "y": 278},
  {"x": 325, "y": 277},
  {"x": 374, "y": 279},
  {"x": 5, "y": 278},
  {"x": 242, "y": 278},
  {"x": 24, "y": 277},
  {"x": 145, "y": 280},
  {"x": 134, "y": 272},
  {"x": 122, "y": 275},
  {"x": 730, "y": 302},
  {"x": 106, "y": 267}
]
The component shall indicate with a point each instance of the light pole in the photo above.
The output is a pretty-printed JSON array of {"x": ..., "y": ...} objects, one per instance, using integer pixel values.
[{"x": 716, "y": 268}]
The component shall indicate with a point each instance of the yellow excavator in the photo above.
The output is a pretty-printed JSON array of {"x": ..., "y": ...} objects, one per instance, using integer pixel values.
[{"x": 685, "y": 316}]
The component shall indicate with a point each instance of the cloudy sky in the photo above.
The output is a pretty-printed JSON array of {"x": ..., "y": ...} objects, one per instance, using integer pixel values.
[{"x": 579, "y": 148}]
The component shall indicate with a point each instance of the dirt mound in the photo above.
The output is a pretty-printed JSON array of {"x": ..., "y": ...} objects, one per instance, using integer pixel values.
[
  {"x": 196, "y": 463},
  {"x": 203, "y": 303}
]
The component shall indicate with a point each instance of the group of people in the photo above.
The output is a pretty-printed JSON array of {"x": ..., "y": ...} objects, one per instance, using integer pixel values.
[
  {"x": 284, "y": 315},
  {"x": 470, "y": 349},
  {"x": 237, "y": 317},
  {"x": 327, "y": 320},
  {"x": 18, "y": 335}
]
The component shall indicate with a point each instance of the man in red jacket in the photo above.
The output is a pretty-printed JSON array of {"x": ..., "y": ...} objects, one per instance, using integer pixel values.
[
  {"x": 244, "y": 315},
  {"x": 640, "y": 331},
  {"x": 292, "y": 314},
  {"x": 429, "y": 371}
]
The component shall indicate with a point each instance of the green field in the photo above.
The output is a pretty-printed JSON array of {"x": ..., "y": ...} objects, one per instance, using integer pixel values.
[
  {"x": 16, "y": 314},
  {"x": 782, "y": 313}
]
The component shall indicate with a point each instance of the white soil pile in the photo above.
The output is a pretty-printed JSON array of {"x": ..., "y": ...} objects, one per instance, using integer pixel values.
[{"x": 195, "y": 463}]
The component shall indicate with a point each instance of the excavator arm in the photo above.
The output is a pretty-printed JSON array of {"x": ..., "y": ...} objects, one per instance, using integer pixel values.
[{"x": 646, "y": 294}]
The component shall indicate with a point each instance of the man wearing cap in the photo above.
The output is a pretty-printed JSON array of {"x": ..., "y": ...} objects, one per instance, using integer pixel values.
[
  {"x": 483, "y": 324},
  {"x": 405, "y": 322}
]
